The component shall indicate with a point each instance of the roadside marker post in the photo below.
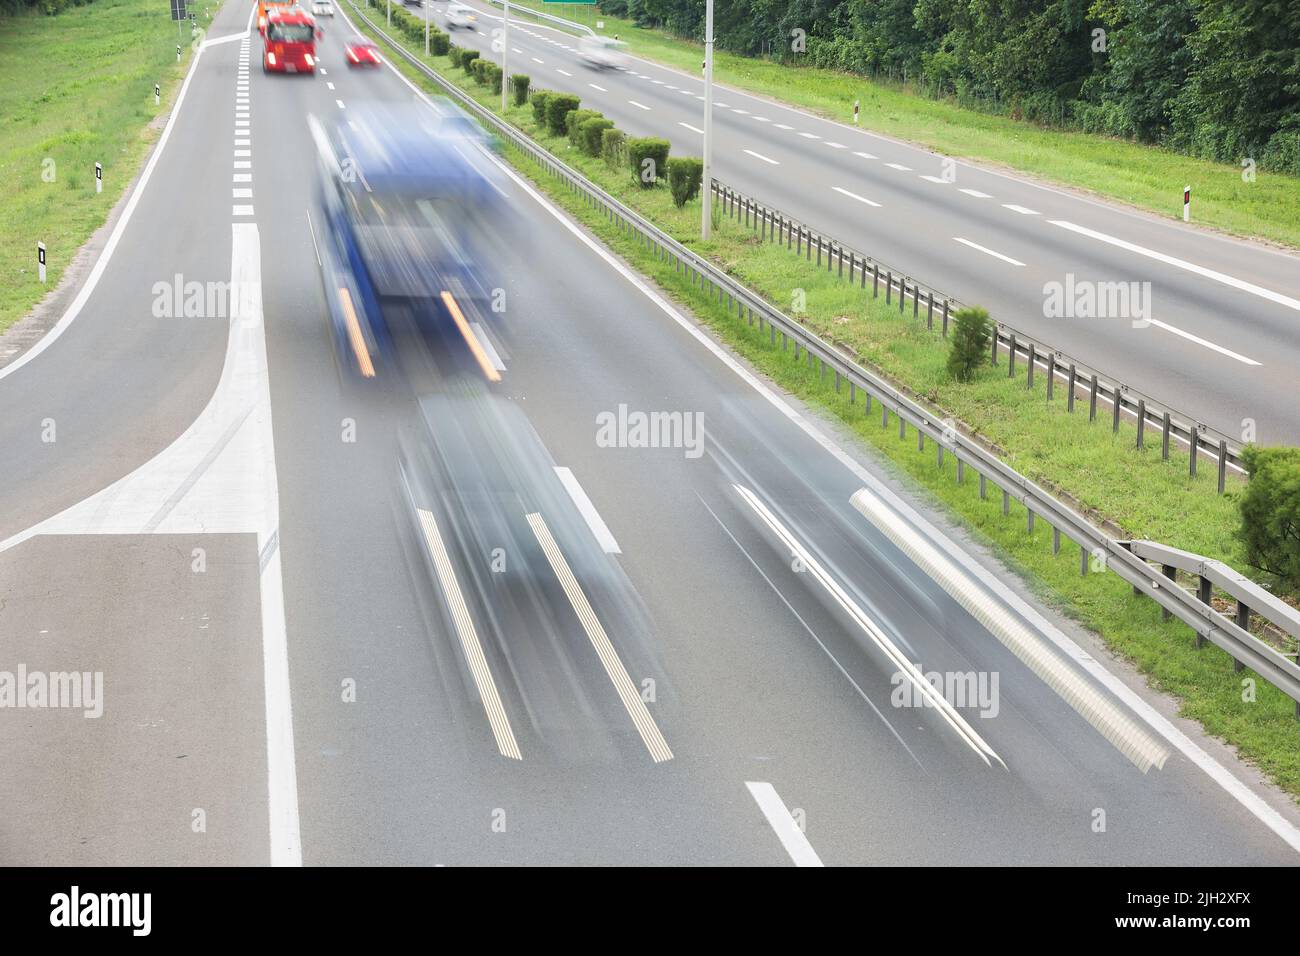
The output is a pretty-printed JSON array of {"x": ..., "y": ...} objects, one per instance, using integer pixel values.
[
  {"x": 178, "y": 53},
  {"x": 40, "y": 260},
  {"x": 855, "y": 112},
  {"x": 99, "y": 178},
  {"x": 157, "y": 94},
  {"x": 1187, "y": 204}
]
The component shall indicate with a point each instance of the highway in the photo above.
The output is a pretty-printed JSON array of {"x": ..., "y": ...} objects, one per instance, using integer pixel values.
[
  {"x": 1220, "y": 344},
  {"x": 209, "y": 512}
]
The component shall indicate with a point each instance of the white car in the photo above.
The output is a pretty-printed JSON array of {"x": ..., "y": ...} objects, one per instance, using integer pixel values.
[
  {"x": 459, "y": 15},
  {"x": 604, "y": 53},
  {"x": 322, "y": 8}
]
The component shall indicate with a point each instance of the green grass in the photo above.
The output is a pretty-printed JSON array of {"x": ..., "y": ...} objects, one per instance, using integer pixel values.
[
  {"x": 75, "y": 89},
  {"x": 1105, "y": 472},
  {"x": 1142, "y": 176}
]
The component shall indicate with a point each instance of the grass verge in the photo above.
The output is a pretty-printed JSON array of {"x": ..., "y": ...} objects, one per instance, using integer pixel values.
[
  {"x": 75, "y": 89},
  {"x": 1147, "y": 177},
  {"x": 1103, "y": 471}
]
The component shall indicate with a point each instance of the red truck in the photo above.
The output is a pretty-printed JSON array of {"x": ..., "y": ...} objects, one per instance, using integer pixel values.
[{"x": 291, "y": 37}]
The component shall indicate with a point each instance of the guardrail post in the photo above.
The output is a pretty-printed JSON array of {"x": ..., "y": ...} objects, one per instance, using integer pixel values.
[
  {"x": 983, "y": 488},
  {"x": 1033, "y": 353},
  {"x": 902, "y": 426},
  {"x": 961, "y": 469},
  {"x": 1164, "y": 437},
  {"x": 841, "y": 267},
  {"x": 1051, "y": 374},
  {"x": 945, "y": 318},
  {"x": 1170, "y": 572},
  {"x": 808, "y": 244},
  {"x": 867, "y": 399},
  {"x": 1006, "y": 502},
  {"x": 916, "y": 300},
  {"x": 1083, "y": 560},
  {"x": 929, "y": 310},
  {"x": 1029, "y": 521},
  {"x": 939, "y": 454},
  {"x": 920, "y": 439},
  {"x": 1092, "y": 399},
  {"x": 837, "y": 381},
  {"x": 1196, "y": 444},
  {"x": 1056, "y": 541},
  {"x": 853, "y": 393},
  {"x": 798, "y": 249},
  {"x": 1069, "y": 400},
  {"x": 1011, "y": 356},
  {"x": 884, "y": 414},
  {"x": 1142, "y": 421},
  {"x": 819, "y": 252},
  {"x": 1204, "y": 591},
  {"x": 993, "y": 358},
  {"x": 902, "y": 292},
  {"x": 1115, "y": 394},
  {"x": 863, "y": 273},
  {"x": 1243, "y": 622},
  {"x": 1223, "y": 463},
  {"x": 875, "y": 280}
]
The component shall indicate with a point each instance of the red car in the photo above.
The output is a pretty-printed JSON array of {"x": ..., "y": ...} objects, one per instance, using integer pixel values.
[
  {"x": 291, "y": 37},
  {"x": 361, "y": 53}
]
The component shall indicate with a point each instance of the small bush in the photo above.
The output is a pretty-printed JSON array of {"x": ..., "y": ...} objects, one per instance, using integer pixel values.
[
  {"x": 538, "y": 100},
  {"x": 477, "y": 69},
  {"x": 492, "y": 77},
  {"x": 685, "y": 173},
  {"x": 558, "y": 106},
  {"x": 453, "y": 53},
  {"x": 576, "y": 119},
  {"x": 970, "y": 342},
  {"x": 648, "y": 157},
  {"x": 439, "y": 43},
  {"x": 613, "y": 148},
  {"x": 519, "y": 82},
  {"x": 590, "y": 132},
  {"x": 467, "y": 58},
  {"x": 1270, "y": 512}
]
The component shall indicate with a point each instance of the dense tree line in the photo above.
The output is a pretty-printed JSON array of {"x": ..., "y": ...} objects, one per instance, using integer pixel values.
[
  {"x": 1213, "y": 78},
  {"x": 48, "y": 7}
]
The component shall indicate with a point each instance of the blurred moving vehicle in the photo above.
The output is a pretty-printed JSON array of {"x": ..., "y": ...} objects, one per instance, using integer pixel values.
[
  {"x": 604, "y": 53},
  {"x": 266, "y": 7},
  {"x": 460, "y": 15},
  {"x": 359, "y": 52},
  {"x": 290, "y": 45},
  {"x": 411, "y": 220},
  {"x": 322, "y": 8}
]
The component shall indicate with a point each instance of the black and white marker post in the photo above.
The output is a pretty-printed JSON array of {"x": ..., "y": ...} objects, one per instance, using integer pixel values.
[
  {"x": 99, "y": 178},
  {"x": 40, "y": 261},
  {"x": 1187, "y": 204},
  {"x": 157, "y": 94},
  {"x": 855, "y": 112}
]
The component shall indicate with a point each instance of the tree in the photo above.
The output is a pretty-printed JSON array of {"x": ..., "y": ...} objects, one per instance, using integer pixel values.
[
  {"x": 1270, "y": 512},
  {"x": 970, "y": 342}
]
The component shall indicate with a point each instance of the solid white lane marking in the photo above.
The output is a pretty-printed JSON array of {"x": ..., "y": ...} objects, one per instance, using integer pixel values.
[
  {"x": 765, "y": 159},
  {"x": 1192, "y": 267},
  {"x": 862, "y": 199},
  {"x": 469, "y": 641},
  {"x": 693, "y": 129},
  {"x": 1203, "y": 342},
  {"x": 488, "y": 348},
  {"x": 595, "y": 87},
  {"x": 900, "y": 167},
  {"x": 782, "y": 823},
  {"x": 987, "y": 251},
  {"x": 864, "y": 155},
  {"x": 935, "y": 179},
  {"x": 909, "y": 671},
  {"x": 640, "y": 106},
  {"x": 617, "y": 673},
  {"x": 1020, "y": 209},
  {"x": 241, "y": 210},
  {"x": 589, "y": 513},
  {"x": 241, "y": 194},
  {"x": 976, "y": 193},
  {"x": 563, "y": 72},
  {"x": 1233, "y": 786}
]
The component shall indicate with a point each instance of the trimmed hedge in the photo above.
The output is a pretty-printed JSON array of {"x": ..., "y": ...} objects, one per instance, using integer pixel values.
[
  {"x": 558, "y": 106},
  {"x": 467, "y": 58},
  {"x": 439, "y": 43},
  {"x": 648, "y": 157},
  {"x": 453, "y": 53},
  {"x": 685, "y": 174},
  {"x": 519, "y": 82},
  {"x": 576, "y": 119},
  {"x": 538, "y": 100},
  {"x": 590, "y": 132},
  {"x": 613, "y": 148}
]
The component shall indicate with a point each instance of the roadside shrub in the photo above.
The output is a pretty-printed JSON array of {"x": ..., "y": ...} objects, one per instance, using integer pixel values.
[
  {"x": 558, "y": 106},
  {"x": 453, "y": 53},
  {"x": 1270, "y": 512},
  {"x": 467, "y": 58},
  {"x": 439, "y": 43},
  {"x": 538, "y": 100},
  {"x": 477, "y": 70},
  {"x": 576, "y": 119},
  {"x": 519, "y": 82},
  {"x": 492, "y": 77},
  {"x": 970, "y": 341},
  {"x": 590, "y": 132},
  {"x": 648, "y": 157},
  {"x": 685, "y": 173},
  {"x": 613, "y": 148}
]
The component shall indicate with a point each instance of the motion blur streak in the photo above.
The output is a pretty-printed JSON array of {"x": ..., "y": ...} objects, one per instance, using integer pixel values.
[
  {"x": 480, "y": 356},
  {"x": 496, "y": 712},
  {"x": 355, "y": 337},
  {"x": 896, "y": 656},
  {"x": 1112, "y": 723},
  {"x": 636, "y": 708}
]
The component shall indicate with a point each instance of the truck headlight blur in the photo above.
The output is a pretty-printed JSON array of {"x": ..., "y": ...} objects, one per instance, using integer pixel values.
[{"x": 270, "y": 58}]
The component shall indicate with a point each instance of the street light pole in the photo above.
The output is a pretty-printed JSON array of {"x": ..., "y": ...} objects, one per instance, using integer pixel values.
[
  {"x": 390, "y": 13},
  {"x": 425, "y": 7},
  {"x": 706, "y": 201},
  {"x": 505, "y": 52}
]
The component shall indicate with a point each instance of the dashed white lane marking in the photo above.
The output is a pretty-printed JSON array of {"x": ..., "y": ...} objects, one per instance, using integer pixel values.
[
  {"x": 762, "y": 157},
  {"x": 515, "y": 49},
  {"x": 861, "y": 199},
  {"x": 243, "y": 152},
  {"x": 693, "y": 129},
  {"x": 468, "y": 637},
  {"x": 243, "y": 142},
  {"x": 656, "y": 82},
  {"x": 589, "y": 513},
  {"x": 322, "y": 72},
  {"x": 810, "y": 136},
  {"x": 563, "y": 72},
  {"x": 242, "y": 178},
  {"x": 617, "y": 673},
  {"x": 241, "y": 194},
  {"x": 1228, "y": 280},
  {"x": 976, "y": 193},
  {"x": 535, "y": 60},
  {"x": 761, "y": 119},
  {"x": 835, "y": 145},
  {"x": 241, "y": 210},
  {"x": 595, "y": 87},
  {"x": 783, "y": 126},
  {"x": 864, "y": 155},
  {"x": 1203, "y": 342},
  {"x": 1020, "y": 209},
  {"x": 782, "y": 823},
  {"x": 329, "y": 85},
  {"x": 485, "y": 341},
  {"x": 243, "y": 163},
  {"x": 640, "y": 106},
  {"x": 900, "y": 167},
  {"x": 741, "y": 112},
  {"x": 935, "y": 179},
  {"x": 987, "y": 251},
  {"x": 340, "y": 104}
]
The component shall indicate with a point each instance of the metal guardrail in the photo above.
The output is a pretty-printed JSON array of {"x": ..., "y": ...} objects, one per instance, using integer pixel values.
[
  {"x": 519, "y": 8},
  {"x": 1079, "y": 379},
  {"x": 1096, "y": 548}
]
